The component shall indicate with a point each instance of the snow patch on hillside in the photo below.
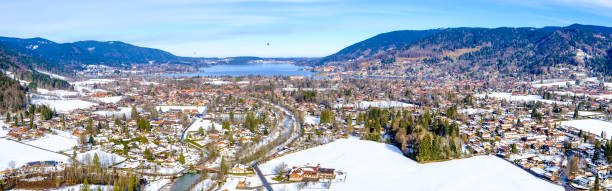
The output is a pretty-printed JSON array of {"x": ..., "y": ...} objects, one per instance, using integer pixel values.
[{"x": 52, "y": 75}]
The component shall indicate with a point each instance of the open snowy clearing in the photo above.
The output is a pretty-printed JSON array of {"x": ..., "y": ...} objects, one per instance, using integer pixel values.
[
  {"x": 378, "y": 104},
  {"x": 377, "y": 166},
  {"x": 106, "y": 159},
  {"x": 518, "y": 98},
  {"x": 312, "y": 120},
  {"x": 63, "y": 141},
  {"x": 200, "y": 109},
  {"x": 22, "y": 154},
  {"x": 53, "y": 75},
  {"x": 111, "y": 99},
  {"x": 78, "y": 187},
  {"x": 204, "y": 124},
  {"x": 59, "y": 93},
  {"x": 3, "y": 128},
  {"x": 88, "y": 86},
  {"x": 64, "y": 105},
  {"x": 591, "y": 125},
  {"x": 118, "y": 113},
  {"x": 559, "y": 84}
]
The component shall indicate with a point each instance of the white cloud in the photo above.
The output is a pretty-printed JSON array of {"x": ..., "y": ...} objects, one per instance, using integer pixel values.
[{"x": 589, "y": 3}]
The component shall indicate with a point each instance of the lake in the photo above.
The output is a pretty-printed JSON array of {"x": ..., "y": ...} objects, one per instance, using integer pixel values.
[{"x": 248, "y": 69}]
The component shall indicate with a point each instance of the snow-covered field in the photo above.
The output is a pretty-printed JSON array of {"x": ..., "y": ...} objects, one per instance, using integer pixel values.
[
  {"x": 591, "y": 125},
  {"x": 378, "y": 104},
  {"x": 63, "y": 141},
  {"x": 589, "y": 113},
  {"x": 312, "y": 120},
  {"x": 3, "y": 131},
  {"x": 471, "y": 111},
  {"x": 182, "y": 108},
  {"x": 53, "y": 75},
  {"x": 59, "y": 93},
  {"x": 156, "y": 185},
  {"x": 377, "y": 166},
  {"x": 560, "y": 84},
  {"x": 22, "y": 154},
  {"x": 106, "y": 159},
  {"x": 78, "y": 187},
  {"x": 147, "y": 83},
  {"x": 86, "y": 86},
  {"x": 111, "y": 99},
  {"x": 119, "y": 113},
  {"x": 518, "y": 98},
  {"x": 63, "y": 105},
  {"x": 205, "y": 124}
]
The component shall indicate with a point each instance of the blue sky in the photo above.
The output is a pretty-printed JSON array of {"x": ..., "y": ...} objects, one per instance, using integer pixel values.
[{"x": 294, "y": 28}]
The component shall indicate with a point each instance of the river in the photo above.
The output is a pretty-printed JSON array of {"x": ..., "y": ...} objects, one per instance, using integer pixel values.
[{"x": 184, "y": 182}]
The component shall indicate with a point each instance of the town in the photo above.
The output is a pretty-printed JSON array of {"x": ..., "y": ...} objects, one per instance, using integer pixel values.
[{"x": 152, "y": 132}]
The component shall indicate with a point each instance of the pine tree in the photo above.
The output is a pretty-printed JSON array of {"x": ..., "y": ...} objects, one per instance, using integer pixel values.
[
  {"x": 91, "y": 140},
  {"x": 134, "y": 113},
  {"x": 85, "y": 185},
  {"x": 576, "y": 113},
  {"x": 96, "y": 161},
  {"x": 596, "y": 185},
  {"x": 181, "y": 158}
]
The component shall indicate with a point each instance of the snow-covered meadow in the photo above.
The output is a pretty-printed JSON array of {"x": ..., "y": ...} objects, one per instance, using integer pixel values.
[
  {"x": 591, "y": 125},
  {"x": 20, "y": 154},
  {"x": 61, "y": 141},
  {"x": 377, "y": 166},
  {"x": 110, "y": 99},
  {"x": 106, "y": 159},
  {"x": 517, "y": 98},
  {"x": 378, "y": 104},
  {"x": 166, "y": 108},
  {"x": 63, "y": 105},
  {"x": 204, "y": 124}
]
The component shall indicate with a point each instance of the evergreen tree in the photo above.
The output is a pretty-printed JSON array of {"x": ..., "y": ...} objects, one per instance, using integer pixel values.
[
  {"x": 576, "y": 113},
  {"x": 85, "y": 185},
  {"x": 134, "y": 113},
  {"x": 596, "y": 185},
  {"x": 91, "y": 140},
  {"x": 181, "y": 158},
  {"x": 96, "y": 161}
]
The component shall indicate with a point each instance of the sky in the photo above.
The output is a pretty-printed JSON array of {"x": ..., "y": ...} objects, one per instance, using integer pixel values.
[{"x": 293, "y": 28}]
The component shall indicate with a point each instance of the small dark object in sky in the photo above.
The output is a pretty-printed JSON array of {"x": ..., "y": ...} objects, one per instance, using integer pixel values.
[{"x": 268, "y": 44}]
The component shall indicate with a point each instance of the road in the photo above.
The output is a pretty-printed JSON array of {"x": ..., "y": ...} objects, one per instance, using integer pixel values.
[{"x": 261, "y": 176}]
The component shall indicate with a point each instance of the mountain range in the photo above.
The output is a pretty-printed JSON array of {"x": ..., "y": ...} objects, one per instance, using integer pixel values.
[
  {"x": 75, "y": 55},
  {"x": 508, "y": 50}
]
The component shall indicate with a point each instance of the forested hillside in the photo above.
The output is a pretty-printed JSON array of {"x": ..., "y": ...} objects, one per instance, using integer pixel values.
[
  {"x": 12, "y": 95},
  {"x": 504, "y": 50},
  {"x": 70, "y": 56},
  {"x": 24, "y": 67}
]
